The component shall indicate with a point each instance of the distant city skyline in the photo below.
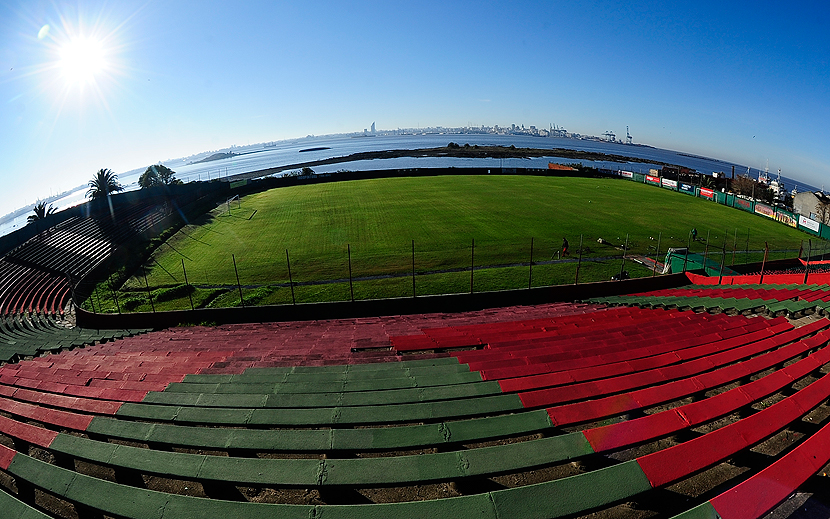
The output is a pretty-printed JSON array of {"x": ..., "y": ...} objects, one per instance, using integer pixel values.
[
  {"x": 91, "y": 84},
  {"x": 513, "y": 129}
]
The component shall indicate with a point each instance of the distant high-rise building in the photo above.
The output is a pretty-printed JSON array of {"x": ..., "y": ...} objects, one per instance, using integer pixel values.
[{"x": 373, "y": 127}]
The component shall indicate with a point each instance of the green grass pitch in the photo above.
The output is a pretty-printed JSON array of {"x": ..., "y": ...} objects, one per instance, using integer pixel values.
[{"x": 377, "y": 221}]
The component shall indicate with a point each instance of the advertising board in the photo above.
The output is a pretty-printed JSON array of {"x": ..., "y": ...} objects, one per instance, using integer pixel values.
[
  {"x": 765, "y": 210},
  {"x": 808, "y": 223}
]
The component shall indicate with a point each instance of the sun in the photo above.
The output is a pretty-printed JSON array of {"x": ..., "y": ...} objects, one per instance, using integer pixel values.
[{"x": 81, "y": 60}]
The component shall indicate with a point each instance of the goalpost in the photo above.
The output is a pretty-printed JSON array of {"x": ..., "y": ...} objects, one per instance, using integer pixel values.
[{"x": 230, "y": 202}]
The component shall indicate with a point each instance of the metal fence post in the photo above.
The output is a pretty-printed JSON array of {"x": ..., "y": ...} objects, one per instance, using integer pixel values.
[
  {"x": 578, "y": 261},
  {"x": 657, "y": 254},
  {"x": 472, "y": 263},
  {"x": 723, "y": 260},
  {"x": 706, "y": 250},
  {"x": 92, "y": 302},
  {"x": 114, "y": 294},
  {"x": 187, "y": 284},
  {"x": 746, "y": 255},
  {"x": 238, "y": 285},
  {"x": 806, "y": 263},
  {"x": 290, "y": 280},
  {"x": 351, "y": 288},
  {"x": 413, "y": 269},
  {"x": 149, "y": 295},
  {"x": 735, "y": 246},
  {"x": 688, "y": 246},
  {"x": 72, "y": 290},
  {"x": 98, "y": 297},
  {"x": 625, "y": 249},
  {"x": 530, "y": 273},
  {"x": 763, "y": 263}
]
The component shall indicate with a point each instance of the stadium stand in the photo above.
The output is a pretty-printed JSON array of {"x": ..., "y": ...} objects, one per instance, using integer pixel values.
[
  {"x": 294, "y": 419},
  {"x": 708, "y": 400}
]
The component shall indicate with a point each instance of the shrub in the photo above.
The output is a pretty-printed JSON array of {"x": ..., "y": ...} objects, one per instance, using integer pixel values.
[
  {"x": 176, "y": 292},
  {"x": 214, "y": 294},
  {"x": 131, "y": 303}
]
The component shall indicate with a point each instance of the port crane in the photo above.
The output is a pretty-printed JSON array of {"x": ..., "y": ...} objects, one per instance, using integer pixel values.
[
  {"x": 610, "y": 136},
  {"x": 628, "y": 139},
  {"x": 558, "y": 131}
]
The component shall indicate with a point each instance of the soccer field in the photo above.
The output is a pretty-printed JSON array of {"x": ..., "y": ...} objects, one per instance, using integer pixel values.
[{"x": 375, "y": 223}]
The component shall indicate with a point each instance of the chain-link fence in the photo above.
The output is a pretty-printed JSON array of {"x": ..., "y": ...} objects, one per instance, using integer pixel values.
[{"x": 411, "y": 269}]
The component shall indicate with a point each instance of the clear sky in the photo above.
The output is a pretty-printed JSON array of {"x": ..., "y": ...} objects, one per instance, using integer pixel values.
[{"x": 86, "y": 85}]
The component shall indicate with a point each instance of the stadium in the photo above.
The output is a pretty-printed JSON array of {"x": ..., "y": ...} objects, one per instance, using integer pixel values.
[{"x": 695, "y": 389}]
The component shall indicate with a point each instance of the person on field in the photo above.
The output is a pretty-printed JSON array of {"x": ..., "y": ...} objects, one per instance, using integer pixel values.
[{"x": 564, "y": 246}]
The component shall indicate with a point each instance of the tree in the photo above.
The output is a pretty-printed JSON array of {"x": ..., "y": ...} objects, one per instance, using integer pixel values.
[
  {"x": 743, "y": 185},
  {"x": 823, "y": 209},
  {"x": 41, "y": 212},
  {"x": 104, "y": 183},
  {"x": 158, "y": 175}
]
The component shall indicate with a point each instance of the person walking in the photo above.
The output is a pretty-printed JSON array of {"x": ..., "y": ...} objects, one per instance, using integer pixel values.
[{"x": 565, "y": 247}]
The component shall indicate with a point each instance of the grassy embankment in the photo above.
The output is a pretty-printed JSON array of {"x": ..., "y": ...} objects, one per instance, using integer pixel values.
[{"x": 378, "y": 219}]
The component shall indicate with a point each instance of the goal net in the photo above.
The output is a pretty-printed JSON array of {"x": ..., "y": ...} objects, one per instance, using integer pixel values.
[{"x": 233, "y": 203}]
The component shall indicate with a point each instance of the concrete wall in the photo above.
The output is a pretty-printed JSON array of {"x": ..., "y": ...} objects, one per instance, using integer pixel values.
[{"x": 378, "y": 307}]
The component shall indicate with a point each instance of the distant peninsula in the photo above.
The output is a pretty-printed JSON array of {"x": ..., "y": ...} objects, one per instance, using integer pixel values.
[
  {"x": 453, "y": 150},
  {"x": 217, "y": 156}
]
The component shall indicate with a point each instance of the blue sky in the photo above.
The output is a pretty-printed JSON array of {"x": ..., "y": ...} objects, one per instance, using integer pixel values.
[{"x": 740, "y": 81}]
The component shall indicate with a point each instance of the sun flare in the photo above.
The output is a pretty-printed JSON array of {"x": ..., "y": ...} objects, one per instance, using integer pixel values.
[{"x": 81, "y": 60}]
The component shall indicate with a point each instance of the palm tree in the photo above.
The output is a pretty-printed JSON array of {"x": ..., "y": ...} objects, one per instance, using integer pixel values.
[
  {"x": 41, "y": 212},
  {"x": 104, "y": 183}
]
